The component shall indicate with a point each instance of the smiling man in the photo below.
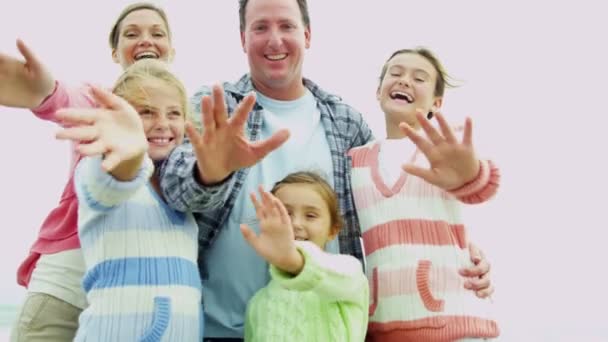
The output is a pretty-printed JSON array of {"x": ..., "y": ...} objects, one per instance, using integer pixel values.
[{"x": 214, "y": 175}]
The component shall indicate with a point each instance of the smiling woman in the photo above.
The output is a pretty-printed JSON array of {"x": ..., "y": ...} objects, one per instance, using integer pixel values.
[
  {"x": 54, "y": 269},
  {"x": 543, "y": 234}
]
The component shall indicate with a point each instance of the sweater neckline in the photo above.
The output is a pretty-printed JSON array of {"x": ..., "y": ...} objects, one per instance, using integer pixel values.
[{"x": 379, "y": 182}]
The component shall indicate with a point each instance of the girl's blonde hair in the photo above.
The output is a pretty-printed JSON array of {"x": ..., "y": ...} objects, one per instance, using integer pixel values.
[
  {"x": 145, "y": 73},
  {"x": 322, "y": 188}
]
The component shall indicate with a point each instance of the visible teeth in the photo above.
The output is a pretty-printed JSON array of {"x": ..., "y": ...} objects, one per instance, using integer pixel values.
[
  {"x": 402, "y": 96},
  {"x": 276, "y": 57},
  {"x": 159, "y": 140},
  {"x": 146, "y": 54}
]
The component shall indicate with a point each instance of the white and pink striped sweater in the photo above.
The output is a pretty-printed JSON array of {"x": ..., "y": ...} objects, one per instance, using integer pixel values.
[{"x": 415, "y": 243}]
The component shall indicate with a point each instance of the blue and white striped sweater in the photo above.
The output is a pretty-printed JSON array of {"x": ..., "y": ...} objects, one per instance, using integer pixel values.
[{"x": 142, "y": 281}]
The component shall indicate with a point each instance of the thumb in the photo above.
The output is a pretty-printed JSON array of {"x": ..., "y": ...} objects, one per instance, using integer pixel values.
[
  {"x": 107, "y": 99},
  {"x": 30, "y": 57},
  {"x": 475, "y": 253}
]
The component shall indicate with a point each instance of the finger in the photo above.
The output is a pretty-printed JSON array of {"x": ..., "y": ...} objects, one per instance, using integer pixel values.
[
  {"x": 108, "y": 100},
  {"x": 283, "y": 212},
  {"x": 192, "y": 133},
  {"x": 249, "y": 235},
  {"x": 241, "y": 113},
  {"x": 79, "y": 133},
  {"x": 485, "y": 293},
  {"x": 428, "y": 129},
  {"x": 79, "y": 116},
  {"x": 110, "y": 161},
  {"x": 423, "y": 145},
  {"x": 209, "y": 123},
  {"x": 446, "y": 130},
  {"x": 267, "y": 198},
  {"x": 427, "y": 175},
  {"x": 478, "y": 270},
  {"x": 475, "y": 253},
  {"x": 219, "y": 106},
  {"x": 262, "y": 148},
  {"x": 259, "y": 212},
  {"x": 467, "y": 138},
  {"x": 30, "y": 57},
  {"x": 478, "y": 283},
  {"x": 92, "y": 149}
]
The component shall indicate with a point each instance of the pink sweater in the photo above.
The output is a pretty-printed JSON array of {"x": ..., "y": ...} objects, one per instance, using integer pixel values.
[
  {"x": 59, "y": 230},
  {"x": 415, "y": 243}
]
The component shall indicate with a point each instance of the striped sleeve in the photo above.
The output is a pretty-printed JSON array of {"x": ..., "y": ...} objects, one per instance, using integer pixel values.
[
  {"x": 100, "y": 191},
  {"x": 483, "y": 187}
]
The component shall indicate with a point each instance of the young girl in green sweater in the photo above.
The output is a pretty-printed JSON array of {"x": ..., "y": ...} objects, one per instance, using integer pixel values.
[{"x": 312, "y": 295}]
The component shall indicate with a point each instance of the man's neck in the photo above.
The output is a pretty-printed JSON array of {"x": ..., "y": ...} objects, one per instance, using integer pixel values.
[{"x": 290, "y": 92}]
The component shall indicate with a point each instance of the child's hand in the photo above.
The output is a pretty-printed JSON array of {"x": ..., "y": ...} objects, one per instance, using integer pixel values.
[
  {"x": 24, "y": 84},
  {"x": 452, "y": 163},
  {"x": 223, "y": 147},
  {"x": 115, "y": 130},
  {"x": 275, "y": 243}
]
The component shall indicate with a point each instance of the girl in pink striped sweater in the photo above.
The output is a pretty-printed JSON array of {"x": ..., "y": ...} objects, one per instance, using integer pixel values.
[{"x": 410, "y": 220}]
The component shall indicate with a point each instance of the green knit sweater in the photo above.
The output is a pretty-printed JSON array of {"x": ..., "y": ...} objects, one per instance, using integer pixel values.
[{"x": 327, "y": 301}]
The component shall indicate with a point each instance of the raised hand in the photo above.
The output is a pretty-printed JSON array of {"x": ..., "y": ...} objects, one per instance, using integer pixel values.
[
  {"x": 275, "y": 243},
  {"x": 114, "y": 130},
  {"x": 26, "y": 83},
  {"x": 223, "y": 148},
  {"x": 452, "y": 163}
]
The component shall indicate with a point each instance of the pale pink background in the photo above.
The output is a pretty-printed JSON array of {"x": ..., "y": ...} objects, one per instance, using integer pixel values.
[{"x": 534, "y": 77}]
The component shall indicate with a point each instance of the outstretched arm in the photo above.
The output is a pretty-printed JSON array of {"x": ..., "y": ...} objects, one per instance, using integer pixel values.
[{"x": 24, "y": 83}]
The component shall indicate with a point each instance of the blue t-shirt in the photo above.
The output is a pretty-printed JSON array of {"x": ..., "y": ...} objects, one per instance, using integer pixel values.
[{"x": 235, "y": 271}]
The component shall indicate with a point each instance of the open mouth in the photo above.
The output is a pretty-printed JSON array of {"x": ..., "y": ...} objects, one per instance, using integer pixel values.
[
  {"x": 402, "y": 96},
  {"x": 160, "y": 141},
  {"x": 146, "y": 55},
  {"x": 278, "y": 57}
]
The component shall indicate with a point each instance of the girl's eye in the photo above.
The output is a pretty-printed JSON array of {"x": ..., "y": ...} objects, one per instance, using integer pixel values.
[
  {"x": 175, "y": 114},
  {"x": 145, "y": 112},
  {"x": 130, "y": 34},
  {"x": 158, "y": 34}
]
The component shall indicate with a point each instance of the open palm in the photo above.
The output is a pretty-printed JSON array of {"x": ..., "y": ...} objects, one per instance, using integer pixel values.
[
  {"x": 223, "y": 148},
  {"x": 114, "y": 130},
  {"x": 452, "y": 163}
]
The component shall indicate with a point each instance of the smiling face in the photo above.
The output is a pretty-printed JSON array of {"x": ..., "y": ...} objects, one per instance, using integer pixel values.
[
  {"x": 163, "y": 116},
  {"x": 408, "y": 84},
  {"x": 275, "y": 38},
  {"x": 142, "y": 33},
  {"x": 310, "y": 215}
]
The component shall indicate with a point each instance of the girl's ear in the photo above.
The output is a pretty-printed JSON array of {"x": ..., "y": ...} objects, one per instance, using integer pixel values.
[
  {"x": 333, "y": 232},
  {"x": 437, "y": 104}
]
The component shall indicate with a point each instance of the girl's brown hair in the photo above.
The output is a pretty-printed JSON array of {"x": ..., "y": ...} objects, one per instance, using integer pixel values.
[{"x": 323, "y": 189}]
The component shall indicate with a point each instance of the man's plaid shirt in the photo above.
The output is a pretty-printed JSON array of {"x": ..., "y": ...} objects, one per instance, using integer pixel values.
[{"x": 211, "y": 206}]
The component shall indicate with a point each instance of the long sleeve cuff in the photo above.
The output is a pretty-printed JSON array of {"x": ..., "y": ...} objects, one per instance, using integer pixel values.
[
  {"x": 483, "y": 187},
  {"x": 102, "y": 191}
]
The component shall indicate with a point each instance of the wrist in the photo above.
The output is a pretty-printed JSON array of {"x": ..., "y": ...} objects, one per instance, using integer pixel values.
[
  {"x": 294, "y": 262},
  {"x": 208, "y": 179}
]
